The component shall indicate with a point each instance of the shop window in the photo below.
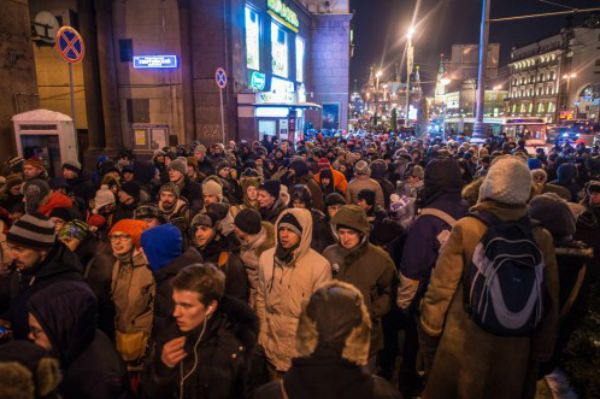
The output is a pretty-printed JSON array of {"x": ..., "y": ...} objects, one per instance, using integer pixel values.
[
  {"x": 252, "y": 39},
  {"x": 279, "y": 53},
  {"x": 300, "y": 51}
]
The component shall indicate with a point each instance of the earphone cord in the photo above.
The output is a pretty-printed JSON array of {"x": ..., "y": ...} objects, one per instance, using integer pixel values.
[{"x": 186, "y": 376}]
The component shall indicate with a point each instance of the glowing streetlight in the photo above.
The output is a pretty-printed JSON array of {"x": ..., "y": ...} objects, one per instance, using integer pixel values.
[
  {"x": 410, "y": 32},
  {"x": 498, "y": 87},
  {"x": 445, "y": 81},
  {"x": 378, "y": 73}
]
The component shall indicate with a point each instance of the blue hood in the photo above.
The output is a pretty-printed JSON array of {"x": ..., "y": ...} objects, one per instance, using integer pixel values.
[{"x": 161, "y": 245}]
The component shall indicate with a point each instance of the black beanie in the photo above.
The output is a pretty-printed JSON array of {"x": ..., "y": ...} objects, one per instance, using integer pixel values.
[
  {"x": 273, "y": 187},
  {"x": 249, "y": 221},
  {"x": 368, "y": 196},
  {"x": 289, "y": 220},
  {"x": 132, "y": 188},
  {"x": 334, "y": 199}
]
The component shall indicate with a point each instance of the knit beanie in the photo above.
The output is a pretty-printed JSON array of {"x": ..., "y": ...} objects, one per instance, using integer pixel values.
[
  {"x": 221, "y": 165},
  {"x": 171, "y": 242},
  {"x": 65, "y": 214},
  {"x": 248, "y": 221},
  {"x": 170, "y": 188},
  {"x": 32, "y": 231},
  {"x": 362, "y": 168},
  {"x": 211, "y": 186},
  {"x": 290, "y": 222},
  {"x": 180, "y": 165},
  {"x": 146, "y": 212},
  {"x": 508, "y": 181},
  {"x": 554, "y": 214},
  {"x": 299, "y": 167},
  {"x": 132, "y": 188},
  {"x": 367, "y": 195},
  {"x": 75, "y": 229},
  {"x": 273, "y": 187},
  {"x": 73, "y": 165},
  {"x": 103, "y": 198},
  {"x": 133, "y": 228},
  {"x": 323, "y": 163},
  {"x": 334, "y": 199}
]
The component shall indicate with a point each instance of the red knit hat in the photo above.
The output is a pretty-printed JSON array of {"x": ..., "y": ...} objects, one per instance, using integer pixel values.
[
  {"x": 134, "y": 228},
  {"x": 323, "y": 163}
]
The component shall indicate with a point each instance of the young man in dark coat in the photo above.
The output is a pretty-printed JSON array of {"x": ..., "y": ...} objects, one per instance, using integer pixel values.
[
  {"x": 62, "y": 320},
  {"x": 333, "y": 340},
  {"x": 188, "y": 189},
  {"x": 79, "y": 182},
  {"x": 39, "y": 262},
  {"x": 204, "y": 352}
]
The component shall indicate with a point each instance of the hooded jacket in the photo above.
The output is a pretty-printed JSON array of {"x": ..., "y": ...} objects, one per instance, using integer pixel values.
[
  {"x": 222, "y": 357},
  {"x": 367, "y": 267},
  {"x": 339, "y": 180},
  {"x": 91, "y": 366},
  {"x": 60, "y": 265},
  {"x": 283, "y": 288},
  {"x": 250, "y": 252},
  {"x": 470, "y": 362}
]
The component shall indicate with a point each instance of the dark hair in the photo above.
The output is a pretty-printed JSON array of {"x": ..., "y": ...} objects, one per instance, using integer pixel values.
[
  {"x": 301, "y": 193},
  {"x": 203, "y": 278}
]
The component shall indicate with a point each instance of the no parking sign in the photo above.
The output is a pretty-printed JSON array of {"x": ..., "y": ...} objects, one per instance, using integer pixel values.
[
  {"x": 69, "y": 45},
  {"x": 221, "y": 78}
]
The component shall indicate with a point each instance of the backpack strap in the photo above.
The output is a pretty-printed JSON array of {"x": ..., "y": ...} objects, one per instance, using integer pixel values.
[
  {"x": 284, "y": 394},
  {"x": 446, "y": 218}
]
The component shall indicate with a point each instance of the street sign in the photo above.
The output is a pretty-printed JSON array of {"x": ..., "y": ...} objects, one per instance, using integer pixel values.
[
  {"x": 221, "y": 78},
  {"x": 154, "y": 61},
  {"x": 69, "y": 45}
]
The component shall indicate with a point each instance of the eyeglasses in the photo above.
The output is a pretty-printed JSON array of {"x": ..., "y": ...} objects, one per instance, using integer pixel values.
[{"x": 119, "y": 237}]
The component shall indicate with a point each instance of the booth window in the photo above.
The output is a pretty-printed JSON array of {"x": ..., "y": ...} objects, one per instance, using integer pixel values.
[
  {"x": 252, "y": 39},
  {"x": 300, "y": 51},
  {"x": 279, "y": 51}
]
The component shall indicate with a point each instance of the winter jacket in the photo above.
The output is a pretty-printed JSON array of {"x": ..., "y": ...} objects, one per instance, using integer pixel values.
[
  {"x": 588, "y": 231},
  {"x": 92, "y": 369},
  {"x": 163, "y": 304},
  {"x": 98, "y": 274},
  {"x": 470, "y": 362},
  {"x": 323, "y": 376},
  {"x": 272, "y": 214},
  {"x": 250, "y": 252},
  {"x": 192, "y": 192},
  {"x": 339, "y": 180},
  {"x": 178, "y": 216},
  {"x": 281, "y": 290},
  {"x": 422, "y": 246},
  {"x": 367, "y": 267},
  {"x": 60, "y": 265},
  {"x": 364, "y": 183},
  {"x": 217, "y": 366},
  {"x": 82, "y": 188},
  {"x": 133, "y": 290}
]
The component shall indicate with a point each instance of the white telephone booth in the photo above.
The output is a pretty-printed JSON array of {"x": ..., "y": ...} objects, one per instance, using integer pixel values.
[{"x": 48, "y": 135}]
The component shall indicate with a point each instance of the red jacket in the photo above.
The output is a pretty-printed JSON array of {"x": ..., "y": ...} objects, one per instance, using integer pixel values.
[{"x": 56, "y": 200}]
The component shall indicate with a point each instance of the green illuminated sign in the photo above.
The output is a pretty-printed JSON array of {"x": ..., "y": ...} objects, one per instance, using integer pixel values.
[
  {"x": 258, "y": 80},
  {"x": 286, "y": 13}
]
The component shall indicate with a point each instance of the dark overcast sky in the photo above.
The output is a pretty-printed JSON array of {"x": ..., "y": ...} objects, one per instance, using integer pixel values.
[{"x": 379, "y": 26}]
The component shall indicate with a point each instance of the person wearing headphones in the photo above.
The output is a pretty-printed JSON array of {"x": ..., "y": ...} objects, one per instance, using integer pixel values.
[{"x": 204, "y": 351}]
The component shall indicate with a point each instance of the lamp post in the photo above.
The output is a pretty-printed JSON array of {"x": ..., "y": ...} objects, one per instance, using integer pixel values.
[
  {"x": 484, "y": 32},
  {"x": 445, "y": 82},
  {"x": 377, "y": 76},
  {"x": 409, "y": 67}
]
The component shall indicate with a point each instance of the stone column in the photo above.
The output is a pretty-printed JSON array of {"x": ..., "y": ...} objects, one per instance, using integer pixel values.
[
  {"x": 185, "y": 33},
  {"x": 108, "y": 76}
]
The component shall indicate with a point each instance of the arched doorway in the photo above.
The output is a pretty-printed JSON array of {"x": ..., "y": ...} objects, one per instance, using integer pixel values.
[{"x": 588, "y": 102}]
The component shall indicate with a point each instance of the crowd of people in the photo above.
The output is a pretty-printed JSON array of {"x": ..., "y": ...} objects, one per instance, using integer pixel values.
[{"x": 372, "y": 266}]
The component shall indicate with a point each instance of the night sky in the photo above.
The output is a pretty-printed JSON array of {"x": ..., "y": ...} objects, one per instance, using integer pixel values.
[{"x": 380, "y": 27}]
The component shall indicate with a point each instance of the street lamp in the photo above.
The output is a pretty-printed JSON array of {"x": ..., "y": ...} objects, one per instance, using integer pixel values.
[
  {"x": 409, "y": 67},
  {"x": 378, "y": 75}
]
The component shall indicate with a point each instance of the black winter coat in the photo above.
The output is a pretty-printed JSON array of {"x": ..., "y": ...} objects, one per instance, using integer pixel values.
[
  {"x": 192, "y": 192},
  {"x": 323, "y": 376},
  {"x": 82, "y": 188},
  {"x": 222, "y": 357},
  {"x": 98, "y": 274},
  {"x": 59, "y": 265}
]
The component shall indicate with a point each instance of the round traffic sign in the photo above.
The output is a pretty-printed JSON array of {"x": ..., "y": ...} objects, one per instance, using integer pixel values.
[
  {"x": 221, "y": 78},
  {"x": 69, "y": 44}
]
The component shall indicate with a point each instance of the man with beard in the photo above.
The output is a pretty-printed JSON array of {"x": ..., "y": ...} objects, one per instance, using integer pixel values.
[{"x": 172, "y": 208}]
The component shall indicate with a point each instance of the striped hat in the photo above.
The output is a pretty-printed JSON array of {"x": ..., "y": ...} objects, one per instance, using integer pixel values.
[{"x": 33, "y": 231}]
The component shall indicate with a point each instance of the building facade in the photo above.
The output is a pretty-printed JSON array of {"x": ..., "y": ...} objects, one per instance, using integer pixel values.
[{"x": 148, "y": 76}]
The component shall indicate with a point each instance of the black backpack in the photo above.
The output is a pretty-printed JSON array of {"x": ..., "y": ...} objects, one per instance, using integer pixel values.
[{"x": 504, "y": 285}]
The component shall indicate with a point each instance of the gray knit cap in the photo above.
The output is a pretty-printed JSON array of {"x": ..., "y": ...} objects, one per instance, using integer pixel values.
[{"x": 32, "y": 231}]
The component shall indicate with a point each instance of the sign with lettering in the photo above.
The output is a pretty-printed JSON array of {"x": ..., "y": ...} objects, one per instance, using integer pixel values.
[
  {"x": 284, "y": 12},
  {"x": 258, "y": 81},
  {"x": 154, "y": 61}
]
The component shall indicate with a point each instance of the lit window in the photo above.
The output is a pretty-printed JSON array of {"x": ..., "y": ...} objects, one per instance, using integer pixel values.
[
  {"x": 279, "y": 51},
  {"x": 300, "y": 51},
  {"x": 252, "y": 39}
]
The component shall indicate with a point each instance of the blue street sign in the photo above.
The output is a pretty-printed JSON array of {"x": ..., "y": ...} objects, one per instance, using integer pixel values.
[
  {"x": 69, "y": 45},
  {"x": 154, "y": 61},
  {"x": 221, "y": 78}
]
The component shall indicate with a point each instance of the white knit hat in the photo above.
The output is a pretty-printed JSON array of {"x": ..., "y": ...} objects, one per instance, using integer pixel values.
[
  {"x": 508, "y": 181},
  {"x": 103, "y": 197}
]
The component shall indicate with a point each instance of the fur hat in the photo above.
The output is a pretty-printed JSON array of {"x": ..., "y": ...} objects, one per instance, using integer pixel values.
[
  {"x": 273, "y": 187},
  {"x": 362, "y": 168},
  {"x": 508, "y": 181},
  {"x": 335, "y": 318}
]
